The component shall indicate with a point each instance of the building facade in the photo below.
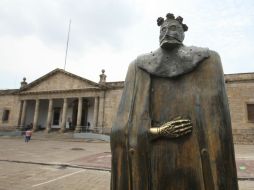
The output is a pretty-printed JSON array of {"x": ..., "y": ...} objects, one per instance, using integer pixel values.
[
  {"x": 63, "y": 101},
  {"x": 240, "y": 91}
]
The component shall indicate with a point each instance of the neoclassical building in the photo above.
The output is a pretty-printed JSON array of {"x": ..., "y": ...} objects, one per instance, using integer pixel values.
[
  {"x": 61, "y": 100},
  {"x": 64, "y": 101}
]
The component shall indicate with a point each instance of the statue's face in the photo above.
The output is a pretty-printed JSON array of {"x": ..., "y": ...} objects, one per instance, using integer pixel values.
[{"x": 171, "y": 34}]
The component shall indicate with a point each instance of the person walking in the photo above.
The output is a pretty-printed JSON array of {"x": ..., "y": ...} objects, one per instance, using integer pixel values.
[{"x": 28, "y": 135}]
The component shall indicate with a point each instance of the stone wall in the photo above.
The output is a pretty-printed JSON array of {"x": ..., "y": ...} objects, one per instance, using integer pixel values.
[
  {"x": 112, "y": 99},
  {"x": 240, "y": 91},
  {"x": 11, "y": 103}
]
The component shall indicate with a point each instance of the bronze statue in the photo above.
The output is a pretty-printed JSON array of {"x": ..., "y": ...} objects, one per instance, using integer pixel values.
[{"x": 173, "y": 130}]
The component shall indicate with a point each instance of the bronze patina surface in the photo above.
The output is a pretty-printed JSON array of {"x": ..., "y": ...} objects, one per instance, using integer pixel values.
[{"x": 173, "y": 128}]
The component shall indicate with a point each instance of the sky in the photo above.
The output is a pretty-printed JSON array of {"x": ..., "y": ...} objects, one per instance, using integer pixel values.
[{"x": 109, "y": 34}]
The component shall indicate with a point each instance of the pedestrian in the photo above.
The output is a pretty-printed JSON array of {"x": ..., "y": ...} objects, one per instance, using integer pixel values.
[{"x": 28, "y": 135}]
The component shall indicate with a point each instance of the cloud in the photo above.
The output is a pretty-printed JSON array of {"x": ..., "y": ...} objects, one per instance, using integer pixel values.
[
  {"x": 109, "y": 34},
  {"x": 92, "y": 22},
  {"x": 27, "y": 57}
]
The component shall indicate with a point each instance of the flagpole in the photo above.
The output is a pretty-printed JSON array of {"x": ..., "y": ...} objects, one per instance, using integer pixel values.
[{"x": 67, "y": 45}]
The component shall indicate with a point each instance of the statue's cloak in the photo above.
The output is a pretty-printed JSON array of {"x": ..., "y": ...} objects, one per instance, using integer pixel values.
[{"x": 202, "y": 160}]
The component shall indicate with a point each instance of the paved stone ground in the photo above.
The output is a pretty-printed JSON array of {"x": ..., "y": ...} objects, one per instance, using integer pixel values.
[
  {"x": 101, "y": 160},
  {"x": 47, "y": 164},
  {"x": 20, "y": 176}
]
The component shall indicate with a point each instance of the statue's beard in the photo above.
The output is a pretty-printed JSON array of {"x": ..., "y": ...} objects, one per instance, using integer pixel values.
[{"x": 169, "y": 42}]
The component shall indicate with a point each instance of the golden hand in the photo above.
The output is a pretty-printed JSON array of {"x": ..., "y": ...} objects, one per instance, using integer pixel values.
[{"x": 172, "y": 129}]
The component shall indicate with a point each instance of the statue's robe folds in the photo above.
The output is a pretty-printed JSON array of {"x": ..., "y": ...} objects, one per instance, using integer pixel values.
[{"x": 202, "y": 160}]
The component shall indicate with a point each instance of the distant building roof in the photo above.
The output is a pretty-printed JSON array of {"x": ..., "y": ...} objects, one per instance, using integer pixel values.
[
  {"x": 8, "y": 91},
  {"x": 118, "y": 84},
  {"x": 239, "y": 77}
]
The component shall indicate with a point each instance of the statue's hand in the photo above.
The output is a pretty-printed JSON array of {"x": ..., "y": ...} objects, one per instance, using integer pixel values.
[{"x": 173, "y": 129}]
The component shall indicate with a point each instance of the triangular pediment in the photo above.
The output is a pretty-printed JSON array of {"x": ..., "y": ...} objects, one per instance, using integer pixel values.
[{"x": 59, "y": 80}]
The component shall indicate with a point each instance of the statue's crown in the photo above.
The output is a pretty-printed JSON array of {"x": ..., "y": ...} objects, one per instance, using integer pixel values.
[{"x": 170, "y": 17}]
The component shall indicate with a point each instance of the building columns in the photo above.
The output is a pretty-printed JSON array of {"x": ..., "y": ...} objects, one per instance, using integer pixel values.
[
  {"x": 100, "y": 123},
  {"x": 80, "y": 104},
  {"x": 49, "y": 117},
  {"x": 23, "y": 115},
  {"x": 36, "y": 115},
  {"x": 95, "y": 112},
  {"x": 20, "y": 113},
  {"x": 63, "y": 123}
]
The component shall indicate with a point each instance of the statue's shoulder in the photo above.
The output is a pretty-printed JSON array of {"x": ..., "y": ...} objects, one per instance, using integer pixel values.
[
  {"x": 206, "y": 52},
  {"x": 211, "y": 57},
  {"x": 194, "y": 51},
  {"x": 214, "y": 54},
  {"x": 214, "y": 57},
  {"x": 148, "y": 57},
  {"x": 179, "y": 61}
]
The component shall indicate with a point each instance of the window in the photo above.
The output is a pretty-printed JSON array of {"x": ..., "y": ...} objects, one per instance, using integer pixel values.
[
  {"x": 5, "y": 116},
  {"x": 250, "y": 112}
]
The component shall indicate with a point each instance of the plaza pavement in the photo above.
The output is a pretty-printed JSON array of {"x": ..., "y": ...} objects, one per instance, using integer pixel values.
[{"x": 48, "y": 163}]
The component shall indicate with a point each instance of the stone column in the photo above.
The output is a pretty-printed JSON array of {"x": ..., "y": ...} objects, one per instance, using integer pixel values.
[
  {"x": 23, "y": 115},
  {"x": 49, "y": 117},
  {"x": 36, "y": 115},
  {"x": 20, "y": 113},
  {"x": 63, "y": 123},
  {"x": 100, "y": 122},
  {"x": 80, "y": 104},
  {"x": 95, "y": 112}
]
